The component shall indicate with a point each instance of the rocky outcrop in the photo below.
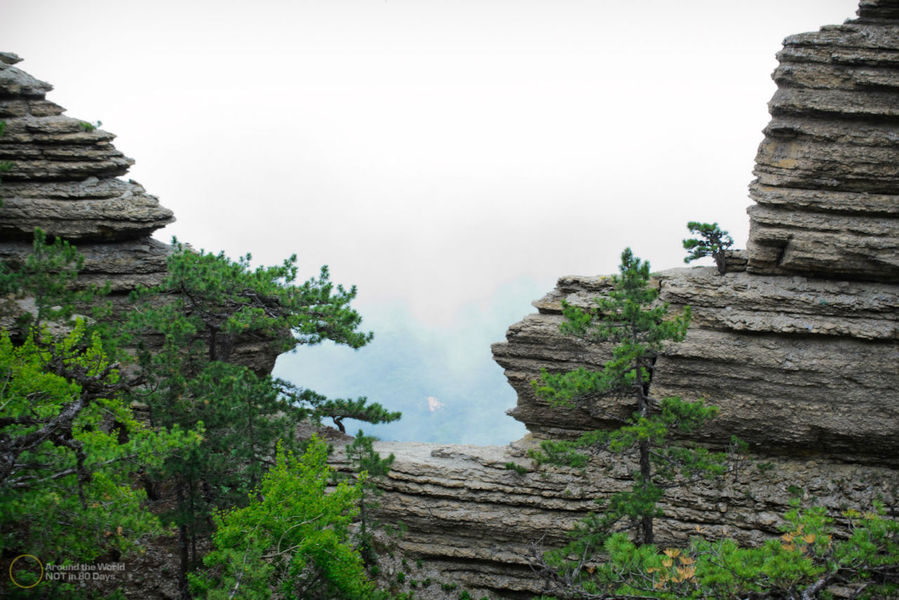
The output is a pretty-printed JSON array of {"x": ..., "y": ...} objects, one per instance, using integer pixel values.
[
  {"x": 797, "y": 365},
  {"x": 826, "y": 193},
  {"x": 802, "y": 368},
  {"x": 798, "y": 347},
  {"x": 61, "y": 175},
  {"x": 797, "y": 344},
  {"x": 480, "y": 523}
]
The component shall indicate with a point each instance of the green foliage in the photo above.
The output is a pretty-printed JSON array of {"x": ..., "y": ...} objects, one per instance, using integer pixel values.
[
  {"x": 69, "y": 443},
  {"x": 339, "y": 409},
  {"x": 628, "y": 316},
  {"x": 861, "y": 554},
  {"x": 70, "y": 450},
  {"x": 631, "y": 317},
  {"x": 214, "y": 300},
  {"x": 813, "y": 553},
  {"x": 370, "y": 468},
  {"x": 520, "y": 470},
  {"x": 186, "y": 330},
  {"x": 710, "y": 241},
  {"x": 568, "y": 453},
  {"x": 47, "y": 276},
  {"x": 88, "y": 126},
  {"x": 292, "y": 539},
  {"x": 243, "y": 415}
]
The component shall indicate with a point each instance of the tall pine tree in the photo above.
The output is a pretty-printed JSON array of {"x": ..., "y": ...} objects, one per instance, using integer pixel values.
[
  {"x": 187, "y": 331},
  {"x": 631, "y": 317}
]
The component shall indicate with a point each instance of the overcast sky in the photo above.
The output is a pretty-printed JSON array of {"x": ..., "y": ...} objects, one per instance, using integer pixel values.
[{"x": 445, "y": 156}]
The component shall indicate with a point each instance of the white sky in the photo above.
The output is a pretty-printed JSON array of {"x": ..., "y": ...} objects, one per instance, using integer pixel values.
[{"x": 431, "y": 152}]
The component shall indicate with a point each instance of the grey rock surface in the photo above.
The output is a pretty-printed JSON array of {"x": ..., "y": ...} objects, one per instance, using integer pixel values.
[
  {"x": 827, "y": 187},
  {"x": 795, "y": 364},
  {"x": 798, "y": 343},
  {"x": 479, "y": 523},
  {"x": 61, "y": 173}
]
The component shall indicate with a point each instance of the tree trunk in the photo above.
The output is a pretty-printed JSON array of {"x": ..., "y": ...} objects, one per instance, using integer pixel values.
[
  {"x": 645, "y": 465},
  {"x": 183, "y": 547},
  {"x": 720, "y": 262},
  {"x": 646, "y": 476}
]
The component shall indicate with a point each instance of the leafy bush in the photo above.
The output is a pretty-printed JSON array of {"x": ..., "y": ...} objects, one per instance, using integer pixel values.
[{"x": 292, "y": 539}]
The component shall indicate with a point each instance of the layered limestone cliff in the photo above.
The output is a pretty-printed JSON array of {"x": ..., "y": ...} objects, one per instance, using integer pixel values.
[
  {"x": 480, "y": 523},
  {"x": 63, "y": 176},
  {"x": 797, "y": 365},
  {"x": 800, "y": 349},
  {"x": 827, "y": 184}
]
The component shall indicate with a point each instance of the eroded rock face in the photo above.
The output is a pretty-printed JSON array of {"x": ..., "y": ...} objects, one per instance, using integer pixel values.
[
  {"x": 798, "y": 347},
  {"x": 61, "y": 175},
  {"x": 827, "y": 191},
  {"x": 797, "y": 365},
  {"x": 480, "y": 523},
  {"x": 798, "y": 343}
]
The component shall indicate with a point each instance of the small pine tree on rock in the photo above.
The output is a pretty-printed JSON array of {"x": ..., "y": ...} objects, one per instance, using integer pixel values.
[{"x": 711, "y": 241}]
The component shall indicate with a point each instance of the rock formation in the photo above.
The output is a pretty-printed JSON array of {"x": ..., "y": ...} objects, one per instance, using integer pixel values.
[
  {"x": 800, "y": 349},
  {"x": 63, "y": 177},
  {"x": 480, "y": 523},
  {"x": 797, "y": 365},
  {"x": 826, "y": 192}
]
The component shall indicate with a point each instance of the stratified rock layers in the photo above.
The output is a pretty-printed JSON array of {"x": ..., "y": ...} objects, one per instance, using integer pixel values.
[
  {"x": 481, "y": 523},
  {"x": 799, "y": 349},
  {"x": 61, "y": 174},
  {"x": 827, "y": 191},
  {"x": 795, "y": 364}
]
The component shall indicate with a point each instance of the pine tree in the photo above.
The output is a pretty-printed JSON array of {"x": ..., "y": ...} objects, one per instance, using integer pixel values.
[
  {"x": 70, "y": 446},
  {"x": 370, "y": 468},
  {"x": 359, "y": 409},
  {"x": 712, "y": 241},
  {"x": 186, "y": 330},
  {"x": 632, "y": 318},
  {"x": 291, "y": 541}
]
